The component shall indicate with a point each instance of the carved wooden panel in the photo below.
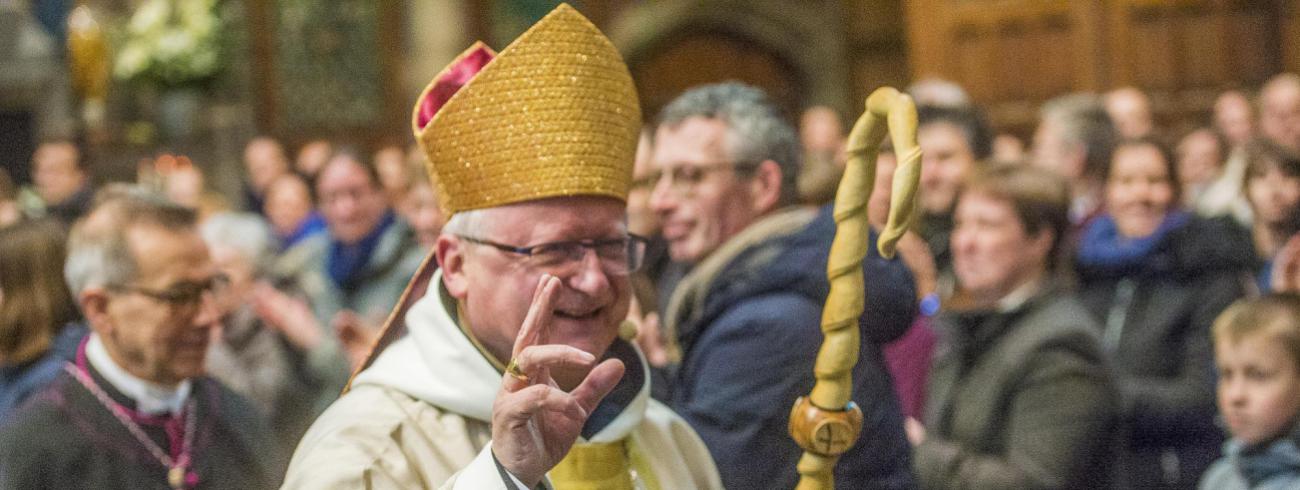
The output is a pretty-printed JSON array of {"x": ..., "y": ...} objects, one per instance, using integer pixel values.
[
  {"x": 1014, "y": 54},
  {"x": 1291, "y": 35},
  {"x": 1192, "y": 44},
  {"x": 1008, "y": 54},
  {"x": 877, "y": 49}
]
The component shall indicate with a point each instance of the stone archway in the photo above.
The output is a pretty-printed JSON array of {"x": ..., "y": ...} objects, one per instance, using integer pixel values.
[{"x": 797, "y": 54}]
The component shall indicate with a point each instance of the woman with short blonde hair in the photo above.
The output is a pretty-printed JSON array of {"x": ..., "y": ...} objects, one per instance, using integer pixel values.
[{"x": 1012, "y": 346}]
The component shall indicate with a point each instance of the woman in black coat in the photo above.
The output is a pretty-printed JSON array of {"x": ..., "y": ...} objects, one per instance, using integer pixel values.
[{"x": 1155, "y": 277}]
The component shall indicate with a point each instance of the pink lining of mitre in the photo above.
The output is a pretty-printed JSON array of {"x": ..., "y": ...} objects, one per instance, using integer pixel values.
[{"x": 459, "y": 73}]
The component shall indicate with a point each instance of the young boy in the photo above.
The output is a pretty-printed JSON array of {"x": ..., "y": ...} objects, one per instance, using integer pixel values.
[{"x": 1257, "y": 351}]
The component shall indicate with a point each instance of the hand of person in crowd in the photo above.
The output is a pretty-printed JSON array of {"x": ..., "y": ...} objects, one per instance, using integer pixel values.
[
  {"x": 288, "y": 315},
  {"x": 915, "y": 431},
  {"x": 534, "y": 422},
  {"x": 1286, "y": 266},
  {"x": 355, "y": 335},
  {"x": 648, "y": 335}
]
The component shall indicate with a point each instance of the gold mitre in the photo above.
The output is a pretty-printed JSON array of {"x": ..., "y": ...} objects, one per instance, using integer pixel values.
[{"x": 554, "y": 114}]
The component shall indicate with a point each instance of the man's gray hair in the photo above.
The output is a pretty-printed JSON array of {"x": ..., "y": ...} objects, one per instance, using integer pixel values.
[
  {"x": 756, "y": 131},
  {"x": 98, "y": 251},
  {"x": 1084, "y": 122},
  {"x": 474, "y": 222},
  {"x": 467, "y": 223},
  {"x": 245, "y": 232}
]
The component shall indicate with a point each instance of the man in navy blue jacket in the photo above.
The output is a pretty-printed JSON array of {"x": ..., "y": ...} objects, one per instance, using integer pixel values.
[{"x": 747, "y": 317}]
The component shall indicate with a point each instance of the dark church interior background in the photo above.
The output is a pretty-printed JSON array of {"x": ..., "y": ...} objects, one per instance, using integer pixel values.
[{"x": 347, "y": 70}]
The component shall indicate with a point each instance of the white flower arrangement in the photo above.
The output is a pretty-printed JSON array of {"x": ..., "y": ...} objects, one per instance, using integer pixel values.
[{"x": 171, "y": 43}]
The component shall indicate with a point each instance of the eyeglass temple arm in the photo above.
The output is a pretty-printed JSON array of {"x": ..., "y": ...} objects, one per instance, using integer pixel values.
[{"x": 826, "y": 423}]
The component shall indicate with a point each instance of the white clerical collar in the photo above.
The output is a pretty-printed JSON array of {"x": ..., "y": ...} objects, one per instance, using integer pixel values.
[{"x": 150, "y": 398}]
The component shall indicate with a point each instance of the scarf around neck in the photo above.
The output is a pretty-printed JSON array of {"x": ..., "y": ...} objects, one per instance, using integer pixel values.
[
  {"x": 347, "y": 263},
  {"x": 1102, "y": 245},
  {"x": 312, "y": 224}
]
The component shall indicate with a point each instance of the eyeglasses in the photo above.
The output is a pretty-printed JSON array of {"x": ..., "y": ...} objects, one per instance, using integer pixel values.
[
  {"x": 618, "y": 256},
  {"x": 183, "y": 295},
  {"x": 683, "y": 180}
]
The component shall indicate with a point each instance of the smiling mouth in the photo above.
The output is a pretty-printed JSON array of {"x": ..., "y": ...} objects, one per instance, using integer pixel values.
[{"x": 579, "y": 316}]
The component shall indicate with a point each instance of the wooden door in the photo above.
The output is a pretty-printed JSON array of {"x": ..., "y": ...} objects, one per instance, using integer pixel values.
[{"x": 701, "y": 57}]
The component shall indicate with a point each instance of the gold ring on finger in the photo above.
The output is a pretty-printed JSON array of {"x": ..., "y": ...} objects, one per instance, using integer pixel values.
[{"x": 515, "y": 372}]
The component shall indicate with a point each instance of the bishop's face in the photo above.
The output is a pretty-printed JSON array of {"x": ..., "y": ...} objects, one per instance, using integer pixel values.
[{"x": 496, "y": 286}]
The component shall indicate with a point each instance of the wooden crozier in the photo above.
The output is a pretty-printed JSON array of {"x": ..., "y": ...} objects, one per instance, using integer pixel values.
[{"x": 826, "y": 423}]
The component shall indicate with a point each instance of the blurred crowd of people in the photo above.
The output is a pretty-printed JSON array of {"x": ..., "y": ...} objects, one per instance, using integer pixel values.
[
  {"x": 1077, "y": 280},
  {"x": 1060, "y": 315},
  {"x": 311, "y": 258}
]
